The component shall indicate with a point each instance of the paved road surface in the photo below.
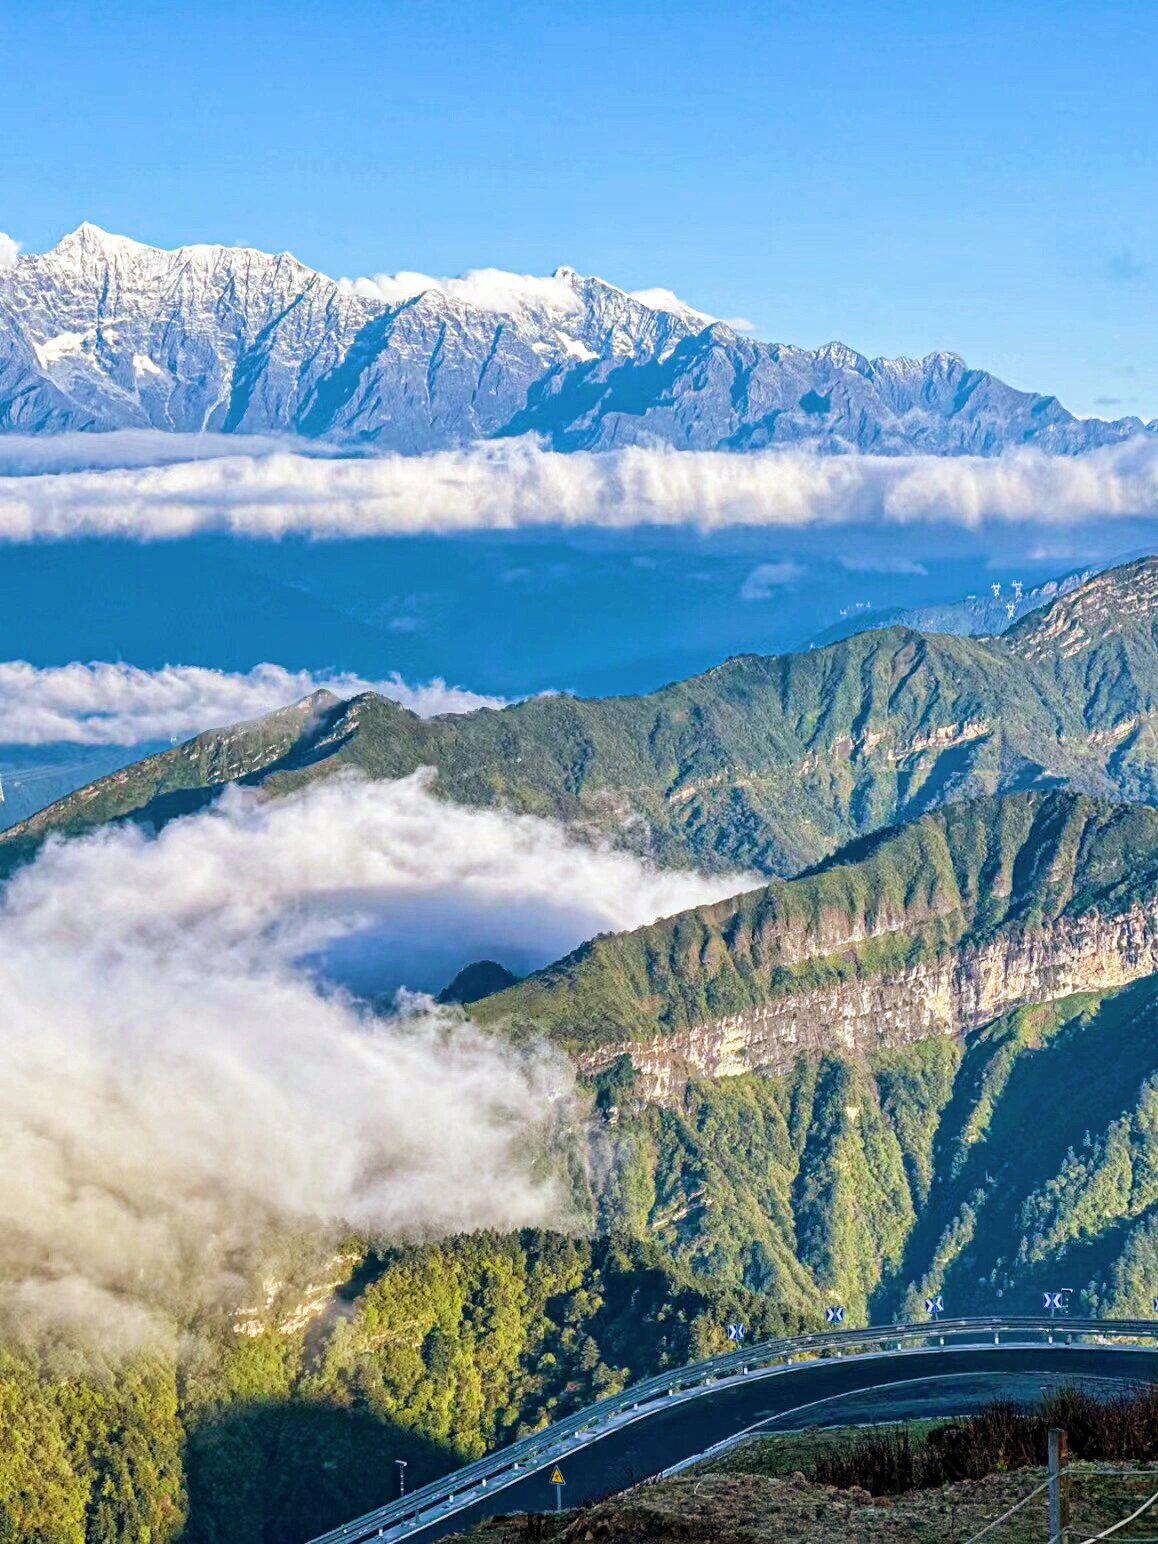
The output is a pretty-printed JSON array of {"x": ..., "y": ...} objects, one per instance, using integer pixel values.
[{"x": 677, "y": 1431}]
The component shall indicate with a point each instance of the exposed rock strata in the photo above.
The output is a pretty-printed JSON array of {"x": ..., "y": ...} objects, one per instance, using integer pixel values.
[{"x": 950, "y": 995}]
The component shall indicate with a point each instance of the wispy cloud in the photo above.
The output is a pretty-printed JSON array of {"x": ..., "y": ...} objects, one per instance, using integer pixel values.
[
  {"x": 9, "y": 251},
  {"x": 119, "y": 704},
  {"x": 766, "y": 578},
  {"x": 512, "y": 484},
  {"x": 36, "y": 454},
  {"x": 1127, "y": 266},
  {"x": 660, "y": 299},
  {"x": 176, "y": 1085},
  {"x": 884, "y": 565}
]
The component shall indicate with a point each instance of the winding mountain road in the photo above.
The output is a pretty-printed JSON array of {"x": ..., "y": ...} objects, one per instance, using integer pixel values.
[{"x": 650, "y": 1430}]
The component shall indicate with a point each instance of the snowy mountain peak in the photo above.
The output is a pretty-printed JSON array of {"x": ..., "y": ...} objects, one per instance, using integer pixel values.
[
  {"x": 104, "y": 332},
  {"x": 841, "y": 357}
]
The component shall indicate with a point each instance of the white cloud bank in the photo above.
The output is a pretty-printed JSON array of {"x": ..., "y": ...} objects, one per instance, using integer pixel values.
[
  {"x": 118, "y": 704},
  {"x": 660, "y": 299},
  {"x": 175, "y": 1084},
  {"x": 9, "y": 251},
  {"x": 513, "y": 484},
  {"x": 29, "y": 455}
]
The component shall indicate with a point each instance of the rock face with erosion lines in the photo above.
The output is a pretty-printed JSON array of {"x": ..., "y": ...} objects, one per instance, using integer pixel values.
[{"x": 103, "y": 333}]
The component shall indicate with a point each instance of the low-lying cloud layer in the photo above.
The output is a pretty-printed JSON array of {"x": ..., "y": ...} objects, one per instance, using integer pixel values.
[
  {"x": 117, "y": 704},
  {"x": 508, "y": 485},
  {"x": 31, "y": 455},
  {"x": 176, "y": 1086}
]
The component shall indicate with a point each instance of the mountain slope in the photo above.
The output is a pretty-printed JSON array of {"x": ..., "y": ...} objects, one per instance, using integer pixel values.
[
  {"x": 974, "y": 616},
  {"x": 929, "y": 928},
  {"x": 104, "y": 332},
  {"x": 874, "y": 1179},
  {"x": 762, "y": 763},
  {"x": 838, "y": 1084}
]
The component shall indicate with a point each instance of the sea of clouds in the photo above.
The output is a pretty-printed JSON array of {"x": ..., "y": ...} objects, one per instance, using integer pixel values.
[
  {"x": 179, "y": 1086},
  {"x": 257, "y": 490},
  {"x": 106, "y": 703}
]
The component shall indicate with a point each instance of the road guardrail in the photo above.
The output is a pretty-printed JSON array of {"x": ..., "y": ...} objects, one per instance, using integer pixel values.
[{"x": 431, "y": 1502}]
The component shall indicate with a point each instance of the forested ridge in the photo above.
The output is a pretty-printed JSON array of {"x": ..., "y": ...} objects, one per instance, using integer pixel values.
[
  {"x": 866, "y": 1181},
  {"x": 433, "y": 1355},
  {"x": 968, "y": 1164},
  {"x": 763, "y": 763}
]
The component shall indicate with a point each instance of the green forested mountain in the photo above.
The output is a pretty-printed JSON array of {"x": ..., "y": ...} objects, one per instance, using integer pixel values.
[
  {"x": 864, "y": 1180},
  {"x": 431, "y": 1355},
  {"x": 1021, "y": 1158},
  {"x": 960, "y": 877},
  {"x": 929, "y": 1061},
  {"x": 763, "y": 762}
]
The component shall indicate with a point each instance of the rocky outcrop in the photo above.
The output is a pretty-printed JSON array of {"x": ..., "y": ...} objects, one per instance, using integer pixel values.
[
  {"x": 105, "y": 333},
  {"x": 946, "y": 995}
]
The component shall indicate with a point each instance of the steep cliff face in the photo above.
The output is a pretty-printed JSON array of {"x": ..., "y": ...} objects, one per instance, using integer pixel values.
[
  {"x": 960, "y": 992},
  {"x": 933, "y": 928},
  {"x": 981, "y": 1167}
]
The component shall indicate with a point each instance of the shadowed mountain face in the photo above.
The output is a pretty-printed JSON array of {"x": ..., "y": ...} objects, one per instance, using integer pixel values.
[
  {"x": 766, "y": 763},
  {"x": 107, "y": 333},
  {"x": 1018, "y": 1159},
  {"x": 481, "y": 978}
]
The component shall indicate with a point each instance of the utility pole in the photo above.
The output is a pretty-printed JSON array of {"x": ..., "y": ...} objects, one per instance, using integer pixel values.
[
  {"x": 1059, "y": 1487},
  {"x": 400, "y": 1465}
]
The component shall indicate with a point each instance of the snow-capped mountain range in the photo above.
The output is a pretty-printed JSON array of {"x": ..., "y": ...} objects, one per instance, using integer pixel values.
[{"x": 104, "y": 333}]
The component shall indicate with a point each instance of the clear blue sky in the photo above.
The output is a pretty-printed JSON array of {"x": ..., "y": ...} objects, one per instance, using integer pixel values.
[{"x": 901, "y": 176}]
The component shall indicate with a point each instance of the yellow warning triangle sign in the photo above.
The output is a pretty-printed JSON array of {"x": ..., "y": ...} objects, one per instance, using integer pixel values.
[{"x": 557, "y": 1476}]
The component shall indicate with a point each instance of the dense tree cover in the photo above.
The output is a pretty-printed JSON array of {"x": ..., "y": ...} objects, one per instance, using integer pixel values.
[
  {"x": 1025, "y": 1159},
  {"x": 804, "y": 1188},
  {"x": 89, "y": 1451},
  {"x": 979, "y": 1170},
  {"x": 1046, "y": 1163},
  {"x": 440, "y": 1352}
]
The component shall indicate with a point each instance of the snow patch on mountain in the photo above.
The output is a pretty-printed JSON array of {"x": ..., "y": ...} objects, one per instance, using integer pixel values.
[
  {"x": 104, "y": 333},
  {"x": 486, "y": 289}
]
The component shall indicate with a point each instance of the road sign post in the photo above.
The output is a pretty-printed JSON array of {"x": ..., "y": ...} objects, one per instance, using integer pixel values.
[
  {"x": 737, "y": 1332},
  {"x": 834, "y": 1314},
  {"x": 935, "y": 1306},
  {"x": 1059, "y": 1487},
  {"x": 558, "y": 1482}
]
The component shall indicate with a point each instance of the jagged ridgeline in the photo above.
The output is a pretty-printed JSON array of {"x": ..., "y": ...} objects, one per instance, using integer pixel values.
[
  {"x": 766, "y": 764},
  {"x": 107, "y": 333}
]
